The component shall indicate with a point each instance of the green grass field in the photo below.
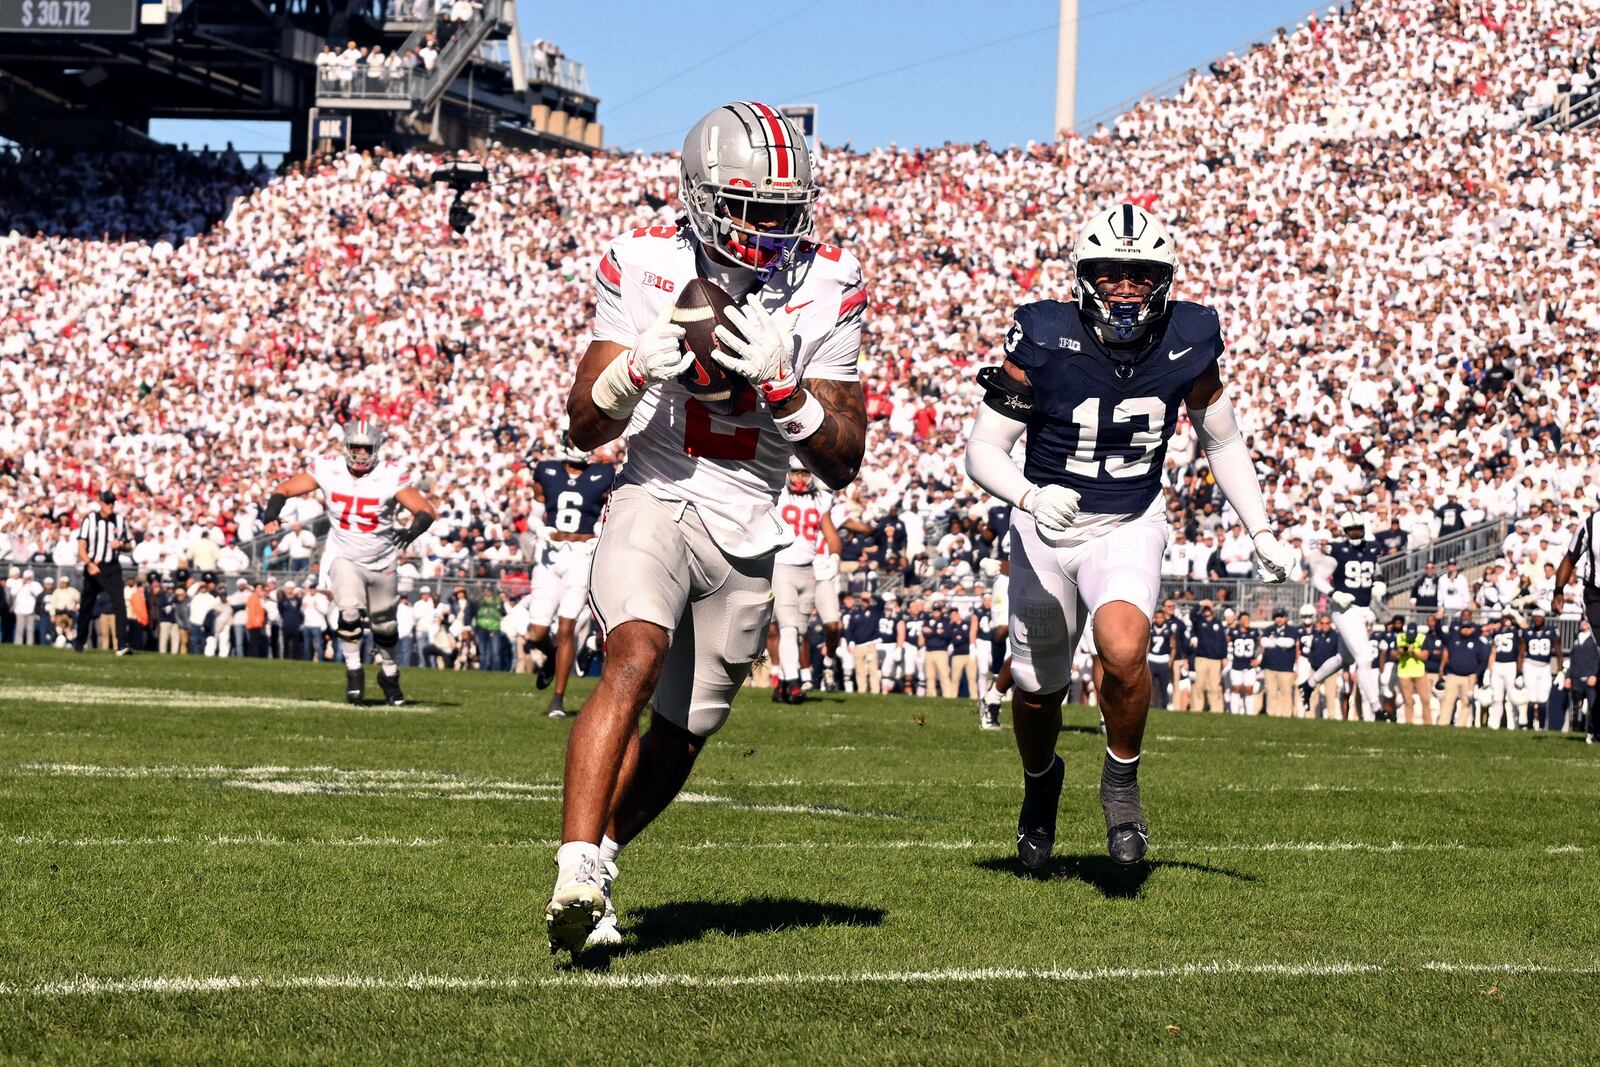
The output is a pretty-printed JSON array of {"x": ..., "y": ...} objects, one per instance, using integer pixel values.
[{"x": 215, "y": 862}]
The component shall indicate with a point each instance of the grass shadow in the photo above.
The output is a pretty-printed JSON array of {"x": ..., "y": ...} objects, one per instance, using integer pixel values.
[
  {"x": 1114, "y": 880},
  {"x": 682, "y": 921}
]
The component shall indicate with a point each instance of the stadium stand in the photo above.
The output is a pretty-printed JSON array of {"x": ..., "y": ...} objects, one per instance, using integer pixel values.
[{"x": 1404, "y": 265}]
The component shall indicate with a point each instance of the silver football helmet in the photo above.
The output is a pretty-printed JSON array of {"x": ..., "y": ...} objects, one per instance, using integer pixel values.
[
  {"x": 747, "y": 186},
  {"x": 362, "y": 439},
  {"x": 1125, "y": 239}
]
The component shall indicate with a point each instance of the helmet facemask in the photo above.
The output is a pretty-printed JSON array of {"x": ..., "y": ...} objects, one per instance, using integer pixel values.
[
  {"x": 1133, "y": 300},
  {"x": 361, "y": 448},
  {"x": 746, "y": 229}
]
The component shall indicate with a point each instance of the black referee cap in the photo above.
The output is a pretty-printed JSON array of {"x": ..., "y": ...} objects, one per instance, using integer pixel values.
[{"x": 107, "y": 497}]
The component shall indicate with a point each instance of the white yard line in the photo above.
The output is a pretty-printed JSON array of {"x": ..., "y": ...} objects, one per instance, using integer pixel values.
[
  {"x": 906, "y": 845},
  {"x": 85, "y": 986},
  {"x": 183, "y": 699}
]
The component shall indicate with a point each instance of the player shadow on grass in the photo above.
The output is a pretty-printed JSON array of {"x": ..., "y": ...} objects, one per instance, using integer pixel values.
[
  {"x": 1113, "y": 880},
  {"x": 681, "y": 921}
]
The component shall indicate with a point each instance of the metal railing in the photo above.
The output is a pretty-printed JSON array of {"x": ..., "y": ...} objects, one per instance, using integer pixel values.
[
  {"x": 541, "y": 66},
  {"x": 1574, "y": 111},
  {"x": 1467, "y": 548},
  {"x": 398, "y": 85},
  {"x": 411, "y": 87}
]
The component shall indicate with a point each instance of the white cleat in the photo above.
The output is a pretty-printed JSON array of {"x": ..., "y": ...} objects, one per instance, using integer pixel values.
[
  {"x": 605, "y": 933},
  {"x": 576, "y": 907}
]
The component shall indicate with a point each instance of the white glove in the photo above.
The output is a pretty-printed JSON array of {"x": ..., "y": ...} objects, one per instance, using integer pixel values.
[
  {"x": 1342, "y": 600},
  {"x": 1380, "y": 589},
  {"x": 659, "y": 354},
  {"x": 760, "y": 351},
  {"x": 1053, "y": 507},
  {"x": 1275, "y": 561}
]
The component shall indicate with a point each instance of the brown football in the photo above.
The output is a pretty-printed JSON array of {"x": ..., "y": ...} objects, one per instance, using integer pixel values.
[{"x": 701, "y": 307}]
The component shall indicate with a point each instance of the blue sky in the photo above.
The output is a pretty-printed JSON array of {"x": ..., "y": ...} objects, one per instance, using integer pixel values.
[{"x": 878, "y": 70}]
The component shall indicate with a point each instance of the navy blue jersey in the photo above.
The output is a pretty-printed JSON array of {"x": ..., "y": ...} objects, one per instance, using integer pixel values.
[
  {"x": 1307, "y": 636},
  {"x": 1384, "y": 646},
  {"x": 1243, "y": 645},
  {"x": 1324, "y": 646},
  {"x": 1208, "y": 639},
  {"x": 1000, "y": 523},
  {"x": 915, "y": 622},
  {"x": 1540, "y": 644},
  {"x": 1092, "y": 430},
  {"x": 1505, "y": 646},
  {"x": 1433, "y": 651},
  {"x": 1279, "y": 646},
  {"x": 1355, "y": 566},
  {"x": 861, "y": 627},
  {"x": 573, "y": 502},
  {"x": 1164, "y": 642},
  {"x": 985, "y": 627},
  {"x": 887, "y": 625}
]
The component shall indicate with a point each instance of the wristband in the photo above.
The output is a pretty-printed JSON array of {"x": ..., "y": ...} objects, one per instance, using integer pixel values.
[
  {"x": 805, "y": 422},
  {"x": 616, "y": 392}
]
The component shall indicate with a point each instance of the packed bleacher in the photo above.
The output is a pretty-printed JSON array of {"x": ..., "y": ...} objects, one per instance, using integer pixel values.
[{"x": 1404, "y": 268}]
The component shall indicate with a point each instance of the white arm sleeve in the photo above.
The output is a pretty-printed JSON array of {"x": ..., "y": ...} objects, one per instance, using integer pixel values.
[
  {"x": 1217, "y": 432},
  {"x": 1322, "y": 574},
  {"x": 989, "y": 461}
]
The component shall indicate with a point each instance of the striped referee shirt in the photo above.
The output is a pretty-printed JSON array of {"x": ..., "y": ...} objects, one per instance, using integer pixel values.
[
  {"x": 101, "y": 536},
  {"x": 1583, "y": 547}
]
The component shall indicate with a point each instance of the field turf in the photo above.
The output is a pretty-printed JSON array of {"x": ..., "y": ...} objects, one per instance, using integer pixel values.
[{"x": 217, "y": 862}]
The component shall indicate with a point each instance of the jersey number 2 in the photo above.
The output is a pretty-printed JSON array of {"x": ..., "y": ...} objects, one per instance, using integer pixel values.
[
  {"x": 703, "y": 441},
  {"x": 364, "y": 507},
  {"x": 1131, "y": 461}
]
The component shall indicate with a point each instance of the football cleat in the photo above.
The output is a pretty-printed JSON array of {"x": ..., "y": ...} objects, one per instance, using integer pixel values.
[
  {"x": 576, "y": 907},
  {"x": 586, "y": 654},
  {"x": 1306, "y": 692},
  {"x": 558, "y": 708},
  {"x": 989, "y": 717},
  {"x": 1128, "y": 842},
  {"x": 544, "y": 672},
  {"x": 390, "y": 684},
  {"x": 797, "y": 694},
  {"x": 355, "y": 684},
  {"x": 605, "y": 933},
  {"x": 1036, "y": 823}
]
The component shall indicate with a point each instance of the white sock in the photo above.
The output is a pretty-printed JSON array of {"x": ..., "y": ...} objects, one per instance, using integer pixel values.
[
  {"x": 805, "y": 675},
  {"x": 386, "y": 661},
  {"x": 609, "y": 850},
  {"x": 1113, "y": 756},
  {"x": 789, "y": 652},
  {"x": 352, "y": 654}
]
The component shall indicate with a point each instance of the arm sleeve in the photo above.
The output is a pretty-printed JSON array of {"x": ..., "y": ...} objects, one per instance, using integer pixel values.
[
  {"x": 989, "y": 461},
  {"x": 1217, "y": 431}
]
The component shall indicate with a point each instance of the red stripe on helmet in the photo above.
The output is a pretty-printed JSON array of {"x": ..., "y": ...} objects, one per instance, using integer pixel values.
[{"x": 780, "y": 143}]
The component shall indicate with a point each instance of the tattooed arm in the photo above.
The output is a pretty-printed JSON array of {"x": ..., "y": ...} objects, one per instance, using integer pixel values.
[{"x": 833, "y": 453}]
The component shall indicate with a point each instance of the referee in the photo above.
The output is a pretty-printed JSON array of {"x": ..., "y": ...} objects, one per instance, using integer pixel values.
[
  {"x": 100, "y": 537},
  {"x": 1580, "y": 560}
]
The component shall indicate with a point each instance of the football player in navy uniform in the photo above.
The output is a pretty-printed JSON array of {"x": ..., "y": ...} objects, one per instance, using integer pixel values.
[
  {"x": 1165, "y": 649},
  {"x": 1244, "y": 656},
  {"x": 1098, "y": 385},
  {"x": 1348, "y": 573},
  {"x": 573, "y": 492},
  {"x": 1541, "y": 646}
]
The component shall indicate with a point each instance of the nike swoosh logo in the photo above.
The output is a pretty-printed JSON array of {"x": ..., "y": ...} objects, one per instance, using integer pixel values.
[
  {"x": 791, "y": 310},
  {"x": 1176, "y": 355}
]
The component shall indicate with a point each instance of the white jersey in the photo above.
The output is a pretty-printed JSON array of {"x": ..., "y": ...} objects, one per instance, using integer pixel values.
[
  {"x": 361, "y": 509},
  {"x": 729, "y": 466},
  {"x": 801, "y": 514}
]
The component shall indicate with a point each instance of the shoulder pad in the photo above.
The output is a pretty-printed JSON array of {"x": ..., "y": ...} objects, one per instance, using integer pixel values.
[{"x": 1040, "y": 322}]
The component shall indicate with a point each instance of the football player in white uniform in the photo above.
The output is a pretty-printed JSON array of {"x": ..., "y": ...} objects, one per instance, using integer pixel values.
[
  {"x": 805, "y": 579},
  {"x": 361, "y": 495},
  {"x": 1098, "y": 385},
  {"x": 682, "y": 581}
]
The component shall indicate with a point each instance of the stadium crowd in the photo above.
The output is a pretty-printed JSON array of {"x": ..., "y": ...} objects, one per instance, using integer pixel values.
[{"x": 1404, "y": 268}]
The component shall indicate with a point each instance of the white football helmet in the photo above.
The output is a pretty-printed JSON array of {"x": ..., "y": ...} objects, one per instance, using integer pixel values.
[
  {"x": 746, "y": 164},
  {"x": 1353, "y": 525},
  {"x": 1127, "y": 234},
  {"x": 362, "y": 439}
]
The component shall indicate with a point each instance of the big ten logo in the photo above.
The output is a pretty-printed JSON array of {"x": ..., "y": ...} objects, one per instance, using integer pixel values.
[{"x": 666, "y": 285}]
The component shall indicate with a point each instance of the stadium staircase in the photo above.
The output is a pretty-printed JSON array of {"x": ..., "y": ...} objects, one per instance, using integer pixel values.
[
  {"x": 418, "y": 90},
  {"x": 1574, "y": 112}
]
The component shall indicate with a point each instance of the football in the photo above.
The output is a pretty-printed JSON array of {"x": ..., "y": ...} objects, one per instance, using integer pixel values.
[{"x": 702, "y": 306}]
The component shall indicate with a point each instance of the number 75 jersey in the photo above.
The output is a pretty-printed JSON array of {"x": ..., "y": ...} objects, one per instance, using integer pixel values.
[
  {"x": 1092, "y": 429},
  {"x": 361, "y": 509}
]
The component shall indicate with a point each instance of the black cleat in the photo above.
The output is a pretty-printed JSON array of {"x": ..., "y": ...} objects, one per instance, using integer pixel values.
[
  {"x": 390, "y": 684},
  {"x": 1036, "y": 824},
  {"x": 1306, "y": 692},
  {"x": 355, "y": 684},
  {"x": 797, "y": 694},
  {"x": 546, "y": 673},
  {"x": 586, "y": 654},
  {"x": 989, "y": 716},
  {"x": 1127, "y": 842},
  {"x": 780, "y": 693}
]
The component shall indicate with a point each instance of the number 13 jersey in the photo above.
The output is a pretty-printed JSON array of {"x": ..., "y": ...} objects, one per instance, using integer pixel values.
[
  {"x": 361, "y": 509},
  {"x": 730, "y": 467},
  {"x": 1092, "y": 429}
]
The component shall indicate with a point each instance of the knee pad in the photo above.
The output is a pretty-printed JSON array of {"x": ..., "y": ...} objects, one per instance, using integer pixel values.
[
  {"x": 386, "y": 634},
  {"x": 350, "y": 626}
]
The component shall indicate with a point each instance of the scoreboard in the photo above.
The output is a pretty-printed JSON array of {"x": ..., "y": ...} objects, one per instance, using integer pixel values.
[{"x": 69, "y": 16}]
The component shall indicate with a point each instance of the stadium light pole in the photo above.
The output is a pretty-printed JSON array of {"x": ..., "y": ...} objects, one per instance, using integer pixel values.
[{"x": 1066, "y": 67}]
